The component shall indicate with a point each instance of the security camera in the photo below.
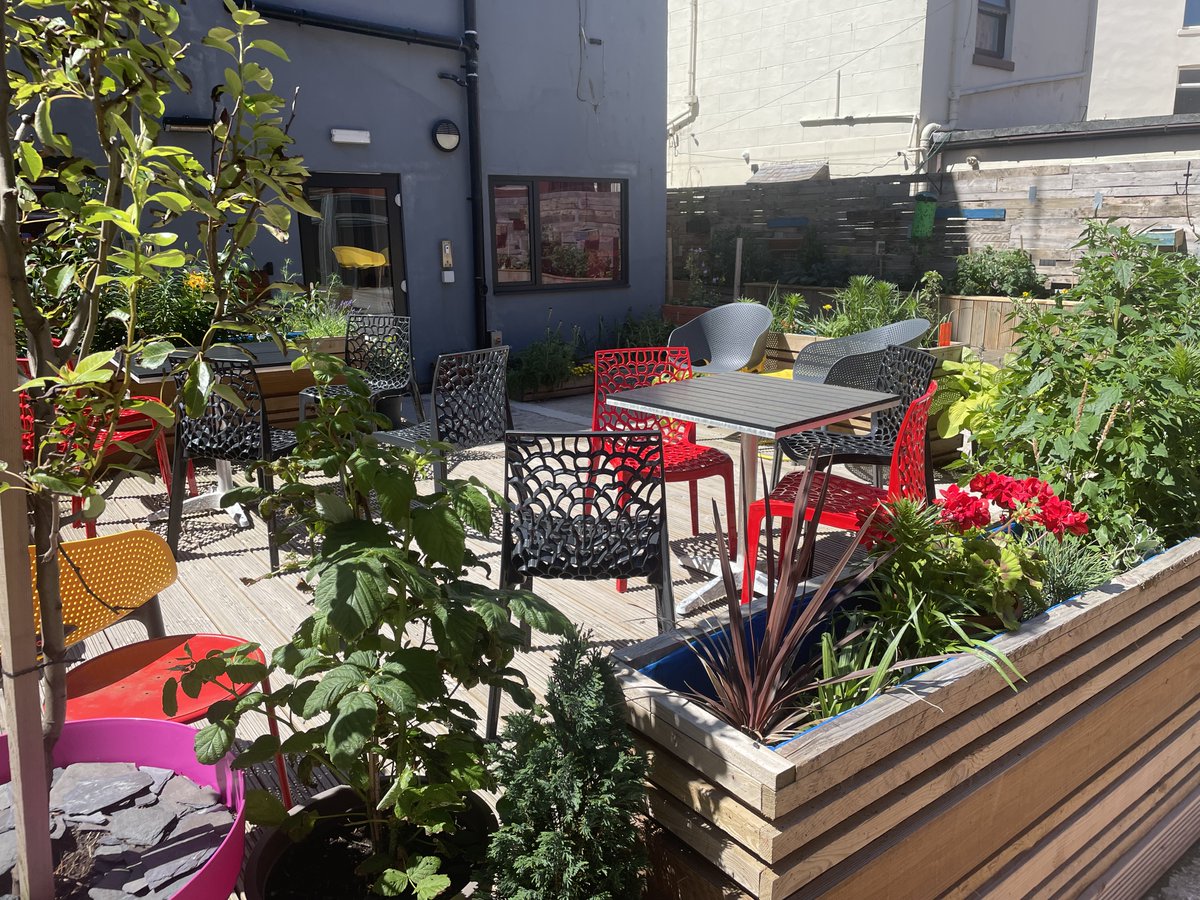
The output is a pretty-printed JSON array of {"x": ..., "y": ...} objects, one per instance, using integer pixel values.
[{"x": 746, "y": 157}]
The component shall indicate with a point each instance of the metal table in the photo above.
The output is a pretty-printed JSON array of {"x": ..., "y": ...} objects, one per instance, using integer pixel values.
[{"x": 755, "y": 406}]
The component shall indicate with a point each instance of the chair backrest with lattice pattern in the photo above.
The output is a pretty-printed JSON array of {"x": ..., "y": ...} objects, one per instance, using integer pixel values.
[
  {"x": 104, "y": 579},
  {"x": 635, "y": 367},
  {"x": 585, "y": 505},
  {"x": 470, "y": 397},
  {"x": 380, "y": 345},
  {"x": 904, "y": 372},
  {"x": 225, "y": 430},
  {"x": 907, "y": 477}
]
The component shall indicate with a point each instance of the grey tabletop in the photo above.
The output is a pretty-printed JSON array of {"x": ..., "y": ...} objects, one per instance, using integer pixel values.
[{"x": 754, "y": 404}]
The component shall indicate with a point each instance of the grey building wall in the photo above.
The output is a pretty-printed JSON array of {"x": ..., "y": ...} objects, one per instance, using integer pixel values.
[{"x": 551, "y": 106}]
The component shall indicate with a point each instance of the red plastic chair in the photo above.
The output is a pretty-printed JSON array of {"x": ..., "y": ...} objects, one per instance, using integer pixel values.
[
  {"x": 624, "y": 370},
  {"x": 847, "y": 502},
  {"x": 133, "y": 427}
]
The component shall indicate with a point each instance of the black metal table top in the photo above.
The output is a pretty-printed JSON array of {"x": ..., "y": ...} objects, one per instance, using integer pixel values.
[{"x": 754, "y": 404}]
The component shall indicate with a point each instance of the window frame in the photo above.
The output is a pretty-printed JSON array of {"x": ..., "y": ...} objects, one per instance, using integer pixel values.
[
  {"x": 535, "y": 286},
  {"x": 997, "y": 9},
  {"x": 1192, "y": 88},
  {"x": 1194, "y": 5}
]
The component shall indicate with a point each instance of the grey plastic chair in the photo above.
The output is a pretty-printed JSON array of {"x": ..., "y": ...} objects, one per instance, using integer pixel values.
[
  {"x": 814, "y": 361},
  {"x": 470, "y": 405},
  {"x": 903, "y": 371},
  {"x": 725, "y": 339}
]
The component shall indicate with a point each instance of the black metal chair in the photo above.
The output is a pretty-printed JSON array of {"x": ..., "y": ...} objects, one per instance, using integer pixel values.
[
  {"x": 226, "y": 431},
  {"x": 470, "y": 405},
  {"x": 814, "y": 361},
  {"x": 381, "y": 346},
  {"x": 902, "y": 371},
  {"x": 585, "y": 506},
  {"x": 725, "y": 339}
]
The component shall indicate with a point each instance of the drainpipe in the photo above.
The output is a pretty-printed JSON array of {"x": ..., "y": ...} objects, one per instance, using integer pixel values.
[
  {"x": 475, "y": 154},
  {"x": 688, "y": 116},
  {"x": 468, "y": 45}
]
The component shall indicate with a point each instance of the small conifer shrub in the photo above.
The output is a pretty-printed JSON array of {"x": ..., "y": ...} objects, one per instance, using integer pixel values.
[{"x": 574, "y": 789}]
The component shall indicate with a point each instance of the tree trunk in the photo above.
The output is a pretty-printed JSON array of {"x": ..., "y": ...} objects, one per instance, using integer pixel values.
[{"x": 45, "y": 541}]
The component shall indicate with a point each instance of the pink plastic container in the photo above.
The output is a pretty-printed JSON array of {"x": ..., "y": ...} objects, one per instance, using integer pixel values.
[{"x": 168, "y": 745}]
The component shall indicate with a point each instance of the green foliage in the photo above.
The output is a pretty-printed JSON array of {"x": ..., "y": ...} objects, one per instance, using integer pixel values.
[
  {"x": 999, "y": 273},
  {"x": 545, "y": 364},
  {"x": 866, "y": 303},
  {"x": 1071, "y": 567},
  {"x": 372, "y": 683},
  {"x": 573, "y": 790},
  {"x": 702, "y": 282},
  {"x": 789, "y": 311},
  {"x": 967, "y": 390},
  {"x": 315, "y": 311},
  {"x": 1100, "y": 399},
  {"x": 758, "y": 263},
  {"x": 178, "y": 306}
]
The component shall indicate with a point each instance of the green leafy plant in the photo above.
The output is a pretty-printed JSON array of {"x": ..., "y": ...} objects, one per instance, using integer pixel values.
[
  {"x": 1099, "y": 399},
  {"x": 1000, "y": 273},
  {"x": 573, "y": 790},
  {"x": 702, "y": 283},
  {"x": 1070, "y": 567},
  {"x": 789, "y": 311},
  {"x": 649, "y": 330},
  {"x": 545, "y": 364},
  {"x": 314, "y": 310},
  {"x": 758, "y": 263},
  {"x": 372, "y": 682},
  {"x": 967, "y": 390},
  {"x": 866, "y": 303}
]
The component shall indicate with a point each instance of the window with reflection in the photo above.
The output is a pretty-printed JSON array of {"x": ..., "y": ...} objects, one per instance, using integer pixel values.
[{"x": 558, "y": 233}]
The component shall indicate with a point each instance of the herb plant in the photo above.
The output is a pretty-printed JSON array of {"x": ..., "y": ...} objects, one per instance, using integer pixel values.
[
  {"x": 372, "y": 682},
  {"x": 866, "y": 303},
  {"x": 573, "y": 790},
  {"x": 545, "y": 364},
  {"x": 999, "y": 273}
]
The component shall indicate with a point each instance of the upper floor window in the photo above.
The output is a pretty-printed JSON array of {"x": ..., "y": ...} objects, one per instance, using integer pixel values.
[
  {"x": 991, "y": 28},
  {"x": 1191, "y": 13},
  {"x": 558, "y": 233},
  {"x": 1187, "y": 91}
]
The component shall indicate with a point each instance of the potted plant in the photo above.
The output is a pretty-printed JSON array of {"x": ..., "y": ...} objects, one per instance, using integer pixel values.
[{"x": 375, "y": 676}]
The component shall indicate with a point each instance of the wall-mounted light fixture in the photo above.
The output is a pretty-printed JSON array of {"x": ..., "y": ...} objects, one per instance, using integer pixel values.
[
  {"x": 187, "y": 123},
  {"x": 446, "y": 136},
  {"x": 349, "y": 136}
]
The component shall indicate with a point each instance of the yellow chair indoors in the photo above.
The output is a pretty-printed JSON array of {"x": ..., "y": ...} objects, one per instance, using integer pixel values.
[{"x": 106, "y": 579}]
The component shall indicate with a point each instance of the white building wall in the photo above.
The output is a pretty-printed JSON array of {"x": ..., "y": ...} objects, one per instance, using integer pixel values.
[
  {"x": 1140, "y": 48},
  {"x": 764, "y": 66}
]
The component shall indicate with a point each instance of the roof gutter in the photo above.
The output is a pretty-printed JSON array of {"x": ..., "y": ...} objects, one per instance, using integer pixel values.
[
  {"x": 468, "y": 45},
  {"x": 1074, "y": 134}
]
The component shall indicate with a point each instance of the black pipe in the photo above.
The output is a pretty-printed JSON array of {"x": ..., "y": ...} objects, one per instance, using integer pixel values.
[
  {"x": 1073, "y": 134},
  {"x": 475, "y": 153},
  {"x": 282, "y": 13},
  {"x": 468, "y": 45}
]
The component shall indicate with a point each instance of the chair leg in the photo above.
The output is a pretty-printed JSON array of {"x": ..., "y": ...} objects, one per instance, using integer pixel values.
[
  {"x": 150, "y": 615},
  {"x": 417, "y": 405},
  {"x": 776, "y": 465},
  {"x": 492, "y": 720},
  {"x": 665, "y": 608},
  {"x": 694, "y": 503},
  {"x": 754, "y": 518},
  {"x": 731, "y": 512},
  {"x": 267, "y": 481},
  {"x": 175, "y": 497}
]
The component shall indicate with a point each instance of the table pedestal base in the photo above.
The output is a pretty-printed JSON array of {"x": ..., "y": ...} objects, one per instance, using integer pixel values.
[{"x": 211, "y": 499}]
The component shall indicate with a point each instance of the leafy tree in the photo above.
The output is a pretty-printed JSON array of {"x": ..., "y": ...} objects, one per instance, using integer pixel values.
[
  {"x": 574, "y": 788},
  {"x": 1100, "y": 398}
]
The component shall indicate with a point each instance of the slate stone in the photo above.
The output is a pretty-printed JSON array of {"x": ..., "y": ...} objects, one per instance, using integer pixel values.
[
  {"x": 142, "y": 826},
  {"x": 186, "y": 792},
  {"x": 6, "y": 795},
  {"x": 7, "y": 819},
  {"x": 90, "y": 787},
  {"x": 218, "y": 820},
  {"x": 58, "y": 827},
  {"x": 8, "y": 851},
  {"x": 103, "y": 893},
  {"x": 147, "y": 799},
  {"x": 160, "y": 776},
  {"x": 136, "y": 885},
  {"x": 96, "y": 818},
  {"x": 177, "y": 858}
]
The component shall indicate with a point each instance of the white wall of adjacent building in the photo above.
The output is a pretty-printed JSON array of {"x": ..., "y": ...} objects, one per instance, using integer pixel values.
[
  {"x": 1140, "y": 49},
  {"x": 767, "y": 72}
]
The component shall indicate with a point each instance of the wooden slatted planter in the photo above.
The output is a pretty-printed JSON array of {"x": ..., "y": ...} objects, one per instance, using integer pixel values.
[
  {"x": 987, "y": 323},
  {"x": 1086, "y": 780}
]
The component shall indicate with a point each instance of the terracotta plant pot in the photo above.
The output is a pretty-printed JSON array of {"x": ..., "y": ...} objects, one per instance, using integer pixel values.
[
  {"x": 168, "y": 745},
  {"x": 274, "y": 843}
]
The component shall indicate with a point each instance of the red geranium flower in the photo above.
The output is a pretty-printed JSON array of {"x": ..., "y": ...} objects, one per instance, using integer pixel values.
[{"x": 963, "y": 509}]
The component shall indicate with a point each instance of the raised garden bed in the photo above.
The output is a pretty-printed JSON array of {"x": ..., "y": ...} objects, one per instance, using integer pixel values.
[
  {"x": 574, "y": 386},
  {"x": 1086, "y": 778},
  {"x": 986, "y": 323}
]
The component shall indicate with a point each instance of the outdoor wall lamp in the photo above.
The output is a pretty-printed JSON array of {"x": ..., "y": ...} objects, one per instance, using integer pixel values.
[
  {"x": 349, "y": 136},
  {"x": 446, "y": 135},
  {"x": 187, "y": 123}
]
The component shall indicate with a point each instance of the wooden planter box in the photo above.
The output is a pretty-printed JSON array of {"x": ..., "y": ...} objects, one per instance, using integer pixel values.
[
  {"x": 1085, "y": 780},
  {"x": 572, "y": 387},
  {"x": 678, "y": 314},
  {"x": 986, "y": 323}
]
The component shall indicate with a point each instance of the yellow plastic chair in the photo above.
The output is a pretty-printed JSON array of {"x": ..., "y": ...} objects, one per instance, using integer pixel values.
[
  {"x": 359, "y": 258},
  {"x": 122, "y": 575}
]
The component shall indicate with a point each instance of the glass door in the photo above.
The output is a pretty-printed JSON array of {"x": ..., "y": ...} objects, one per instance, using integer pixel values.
[{"x": 356, "y": 248}]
